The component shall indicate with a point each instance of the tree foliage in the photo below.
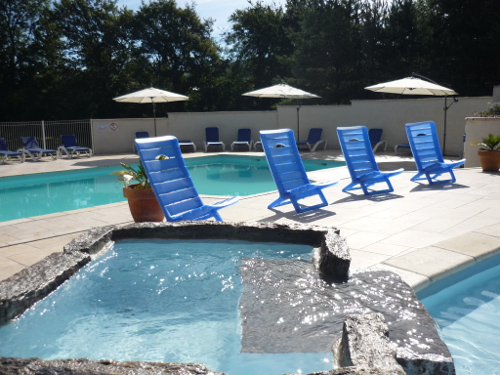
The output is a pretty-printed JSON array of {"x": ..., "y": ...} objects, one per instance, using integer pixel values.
[{"x": 67, "y": 59}]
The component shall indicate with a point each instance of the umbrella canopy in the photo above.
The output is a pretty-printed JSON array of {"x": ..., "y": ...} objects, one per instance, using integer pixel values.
[
  {"x": 283, "y": 91},
  {"x": 151, "y": 95},
  {"x": 412, "y": 86},
  {"x": 416, "y": 86}
]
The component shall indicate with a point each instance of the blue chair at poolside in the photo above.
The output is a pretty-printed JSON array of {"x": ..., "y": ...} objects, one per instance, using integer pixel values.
[
  {"x": 360, "y": 160},
  {"x": 244, "y": 139},
  {"x": 288, "y": 171},
  {"x": 139, "y": 135},
  {"x": 32, "y": 149},
  {"x": 70, "y": 147},
  {"x": 424, "y": 144},
  {"x": 7, "y": 154},
  {"x": 171, "y": 182},
  {"x": 314, "y": 140},
  {"x": 376, "y": 139},
  {"x": 212, "y": 138}
]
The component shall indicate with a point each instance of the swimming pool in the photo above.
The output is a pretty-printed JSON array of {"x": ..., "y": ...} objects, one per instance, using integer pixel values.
[
  {"x": 46, "y": 193},
  {"x": 466, "y": 307},
  {"x": 158, "y": 300}
]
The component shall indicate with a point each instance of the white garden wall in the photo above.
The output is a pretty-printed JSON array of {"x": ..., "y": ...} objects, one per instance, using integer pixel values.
[{"x": 117, "y": 135}]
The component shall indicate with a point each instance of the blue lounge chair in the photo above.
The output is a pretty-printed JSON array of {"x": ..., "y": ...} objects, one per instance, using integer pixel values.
[
  {"x": 405, "y": 146},
  {"x": 32, "y": 149},
  {"x": 212, "y": 138},
  {"x": 314, "y": 140},
  {"x": 244, "y": 139},
  {"x": 70, "y": 147},
  {"x": 358, "y": 154},
  {"x": 376, "y": 139},
  {"x": 7, "y": 154},
  {"x": 288, "y": 171},
  {"x": 139, "y": 135},
  {"x": 424, "y": 144},
  {"x": 171, "y": 182},
  {"x": 187, "y": 144}
]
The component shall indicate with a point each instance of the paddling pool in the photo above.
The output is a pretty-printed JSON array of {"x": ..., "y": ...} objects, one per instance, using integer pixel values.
[
  {"x": 466, "y": 307},
  {"x": 45, "y": 193},
  {"x": 158, "y": 300}
]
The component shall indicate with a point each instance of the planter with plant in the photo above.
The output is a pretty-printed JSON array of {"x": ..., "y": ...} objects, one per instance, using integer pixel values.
[
  {"x": 141, "y": 198},
  {"x": 489, "y": 152}
]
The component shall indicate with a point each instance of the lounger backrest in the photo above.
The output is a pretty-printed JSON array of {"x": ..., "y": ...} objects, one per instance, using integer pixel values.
[
  {"x": 314, "y": 135},
  {"x": 141, "y": 134},
  {"x": 69, "y": 140},
  {"x": 357, "y": 150},
  {"x": 283, "y": 159},
  {"x": 375, "y": 136},
  {"x": 3, "y": 145},
  {"x": 244, "y": 135},
  {"x": 30, "y": 142},
  {"x": 168, "y": 175},
  {"x": 424, "y": 144},
  {"x": 212, "y": 134}
]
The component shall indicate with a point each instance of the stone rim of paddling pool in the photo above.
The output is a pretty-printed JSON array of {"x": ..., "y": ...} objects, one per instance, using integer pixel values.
[{"x": 331, "y": 262}]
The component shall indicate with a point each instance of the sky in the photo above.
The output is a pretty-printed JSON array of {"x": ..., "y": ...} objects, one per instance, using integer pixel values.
[{"x": 218, "y": 10}]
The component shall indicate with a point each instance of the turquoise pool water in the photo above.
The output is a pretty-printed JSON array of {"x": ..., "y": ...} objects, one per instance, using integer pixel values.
[
  {"x": 157, "y": 300},
  {"x": 46, "y": 193},
  {"x": 466, "y": 307}
]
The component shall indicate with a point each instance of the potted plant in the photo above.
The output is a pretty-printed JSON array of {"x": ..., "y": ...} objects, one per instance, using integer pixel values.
[
  {"x": 489, "y": 152},
  {"x": 141, "y": 198}
]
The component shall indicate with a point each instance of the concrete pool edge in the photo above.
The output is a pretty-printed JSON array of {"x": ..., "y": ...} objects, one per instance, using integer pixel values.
[{"x": 58, "y": 267}]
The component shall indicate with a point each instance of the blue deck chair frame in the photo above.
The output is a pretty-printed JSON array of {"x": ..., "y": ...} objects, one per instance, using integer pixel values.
[
  {"x": 212, "y": 138},
  {"x": 424, "y": 144},
  {"x": 171, "y": 182},
  {"x": 32, "y": 149},
  {"x": 314, "y": 140},
  {"x": 7, "y": 154},
  {"x": 70, "y": 147},
  {"x": 360, "y": 160},
  {"x": 244, "y": 139},
  {"x": 288, "y": 171}
]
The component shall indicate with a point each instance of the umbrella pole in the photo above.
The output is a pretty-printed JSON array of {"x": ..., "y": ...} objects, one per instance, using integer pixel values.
[
  {"x": 298, "y": 124},
  {"x": 446, "y": 106},
  {"x": 154, "y": 113}
]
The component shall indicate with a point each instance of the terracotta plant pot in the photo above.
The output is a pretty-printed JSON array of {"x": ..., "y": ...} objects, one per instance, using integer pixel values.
[
  {"x": 143, "y": 204},
  {"x": 490, "y": 160}
]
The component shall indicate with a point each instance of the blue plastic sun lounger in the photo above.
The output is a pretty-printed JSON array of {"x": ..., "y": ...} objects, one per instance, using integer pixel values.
[
  {"x": 212, "y": 138},
  {"x": 70, "y": 147},
  {"x": 244, "y": 139},
  {"x": 376, "y": 139},
  {"x": 171, "y": 182},
  {"x": 288, "y": 171},
  {"x": 314, "y": 140},
  {"x": 358, "y": 154},
  {"x": 7, "y": 154},
  {"x": 32, "y": 149},
  {"x": 424, "y": 144}
]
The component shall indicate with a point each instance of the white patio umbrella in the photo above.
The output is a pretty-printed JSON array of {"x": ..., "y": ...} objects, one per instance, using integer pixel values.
[
  {"x": 416, "y": 86},
  {"x": 151, "y": 95},
  {"x": 283, "y": 91}
]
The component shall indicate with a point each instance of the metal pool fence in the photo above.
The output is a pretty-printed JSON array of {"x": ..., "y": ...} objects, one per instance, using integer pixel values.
[{"x": 47, "y": 133}]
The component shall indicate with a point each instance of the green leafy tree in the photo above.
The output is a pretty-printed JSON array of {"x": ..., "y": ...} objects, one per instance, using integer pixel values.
[
  {"x": 259, "y": 46},
  {"x": 97, "y": 53},
  {"x": 462, "y": 44},
  {"x": 181, "y": 56},
  {"x": 27, "y": 48}
]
